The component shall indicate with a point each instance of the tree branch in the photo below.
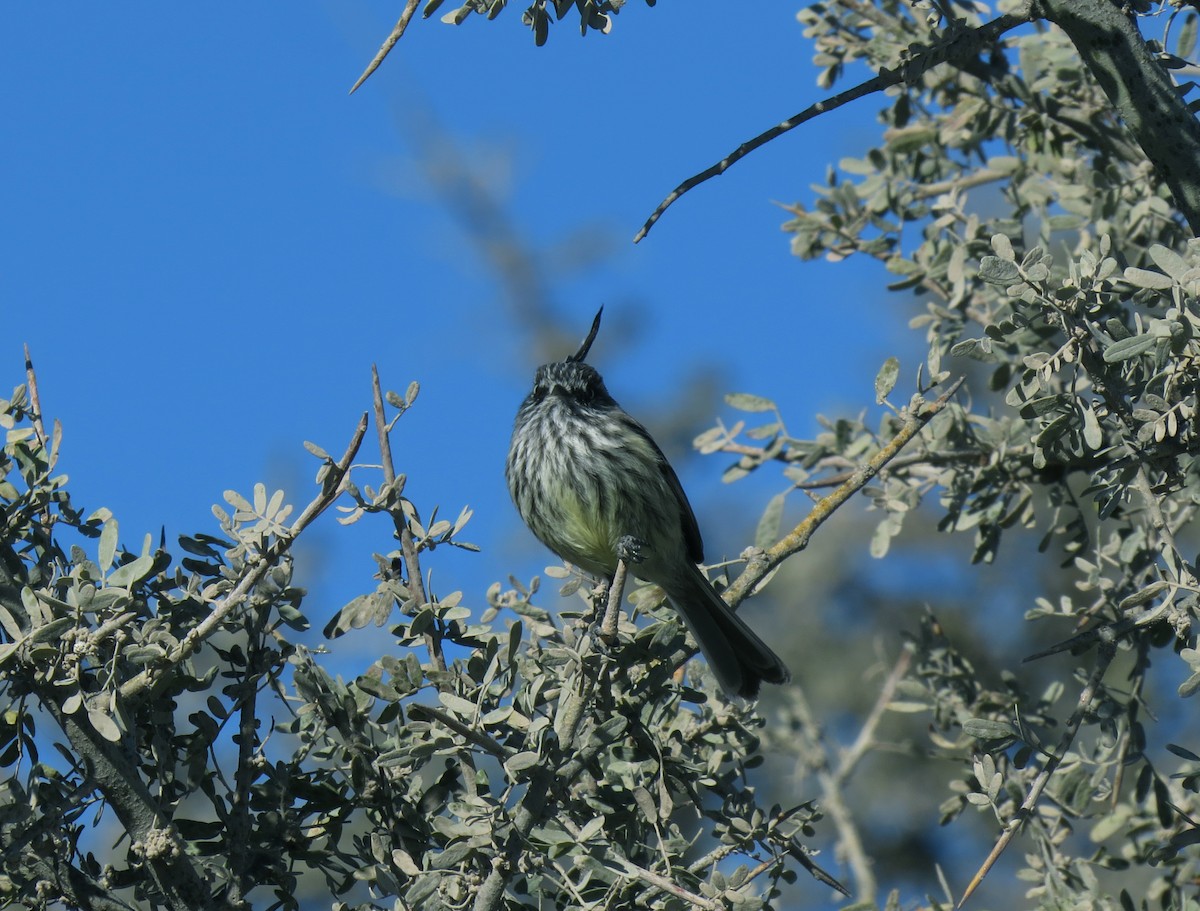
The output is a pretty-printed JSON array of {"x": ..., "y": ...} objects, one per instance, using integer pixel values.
[
  {"x": 958, "y": 46},
  {"x": 1112, "y": 48},
  {"x": 914, "y": 417},
  {"x": 397, "y": 32},
  {"x": 331, "y": 489}
]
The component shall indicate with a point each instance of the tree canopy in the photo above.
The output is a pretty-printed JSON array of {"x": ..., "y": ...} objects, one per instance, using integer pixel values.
[{"x": 1035, "y": 194}]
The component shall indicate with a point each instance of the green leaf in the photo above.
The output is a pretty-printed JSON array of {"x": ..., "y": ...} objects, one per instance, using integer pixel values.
[
  {"x": 104, "y": 725},
  {"x": 885, "y": 380},
  {"x": 131, "y": 572},
  {"x": 1169, "y": 261},
  {"x": 1093, "y": 436},
  {"x": 1128, "y": 348},
  {"x": 1144, "y": 278},
  {"x": 526, "y": 759},
  {"x": 767, "y": 532},
  {"x": 52, "y": 631},
  {"x": 987, "y": 729},
  {"x": 464, "y": 708},
  {"x": 1003, "y": 247},
  {"x": 744, "y": 401},
  {"x": 997, "y": 271},
  {"x": 108, "y": 545},
  {"x": 1183, "y": 753}
]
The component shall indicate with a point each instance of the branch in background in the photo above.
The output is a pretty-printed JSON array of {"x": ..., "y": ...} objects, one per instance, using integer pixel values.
[
  {"x": 959, "y": 46},
  {"x": 832, "y": 777}
]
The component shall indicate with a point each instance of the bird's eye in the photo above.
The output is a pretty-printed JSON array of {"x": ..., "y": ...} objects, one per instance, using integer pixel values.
[{"x": 538, "y": 393}]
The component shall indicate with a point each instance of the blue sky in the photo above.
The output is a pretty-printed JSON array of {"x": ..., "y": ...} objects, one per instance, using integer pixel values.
[{"x": 207, "y": 243}]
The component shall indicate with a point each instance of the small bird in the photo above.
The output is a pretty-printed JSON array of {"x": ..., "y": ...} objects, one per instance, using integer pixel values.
[{"x": 586, "y": 477}]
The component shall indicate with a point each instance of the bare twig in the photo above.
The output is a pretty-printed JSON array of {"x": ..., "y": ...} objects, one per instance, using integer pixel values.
[
  {"x": 405, "y": 17},
  {"x": 332, "y": 488},
  {"x": 408, "y": 546},
  {"x": 955, "y": 47},
  {"x": 848, "y": 838},
  {"x": 1086, "y": 697},
  {"x": 534, "y": 806},
  {"x": 35, "y": 404}
]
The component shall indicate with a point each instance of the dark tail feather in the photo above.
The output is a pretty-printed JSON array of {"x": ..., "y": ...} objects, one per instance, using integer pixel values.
[{"x": 738, "y": 658}]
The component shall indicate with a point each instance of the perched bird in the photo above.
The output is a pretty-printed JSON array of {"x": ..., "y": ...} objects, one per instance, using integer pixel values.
[{"x": 585, "y": 476}]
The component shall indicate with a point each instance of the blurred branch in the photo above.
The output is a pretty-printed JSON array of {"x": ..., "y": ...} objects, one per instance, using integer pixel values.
[
  {"x": 832, "y": 778},
  {"x": 958, "y": 44},
  {"x": 865, "y": 740}
]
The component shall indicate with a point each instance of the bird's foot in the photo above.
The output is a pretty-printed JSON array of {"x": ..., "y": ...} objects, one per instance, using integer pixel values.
[{"x": 631, "y": 549}]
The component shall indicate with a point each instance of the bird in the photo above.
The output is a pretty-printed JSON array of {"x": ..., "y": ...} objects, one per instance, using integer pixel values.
[{"x": 592, "y": 485}]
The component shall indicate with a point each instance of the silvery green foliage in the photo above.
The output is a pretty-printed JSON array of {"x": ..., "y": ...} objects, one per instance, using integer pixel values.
[
  {"x": 1048, "y": 265},
  {"x": 497, "y": 754},
  {"x": 594, "y": 15}
]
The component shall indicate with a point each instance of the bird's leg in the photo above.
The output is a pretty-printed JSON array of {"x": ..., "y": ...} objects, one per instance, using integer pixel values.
[{"x": 629, "y": 550}]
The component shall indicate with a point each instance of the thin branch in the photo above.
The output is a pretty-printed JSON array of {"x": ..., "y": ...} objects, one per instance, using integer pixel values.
[
  {"x": 832, "y": 779},
  {"x": 533, "y": 806},
  {"x": 408, "y": 546},
  {"x": 960, "y": 45},
  {"x": 332, "y": 488},
  {"x": 239, "y": 819},
  {"x": 35, "y": 404},
  {"x": 1177, "y": 565},
  {"x": 1086, "y": 697},
  {"x": 77, "y": 888},
  {"x": 174, "y": 871},
  {"x": 787, "y": 456},
  {"x": 914, "y": 418},
  {"x": 417, "y": 711},
  {"x": 865, "y": 740},
  {"x": 649, "y": 877},
  {"x": 405, "y": 17}
]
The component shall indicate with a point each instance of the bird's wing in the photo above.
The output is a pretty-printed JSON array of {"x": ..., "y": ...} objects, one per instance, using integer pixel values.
[{"x": 691, "y": 530}]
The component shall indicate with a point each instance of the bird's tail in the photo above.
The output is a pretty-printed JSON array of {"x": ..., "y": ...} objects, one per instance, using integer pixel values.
[{"x": 738, "y": 658}]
